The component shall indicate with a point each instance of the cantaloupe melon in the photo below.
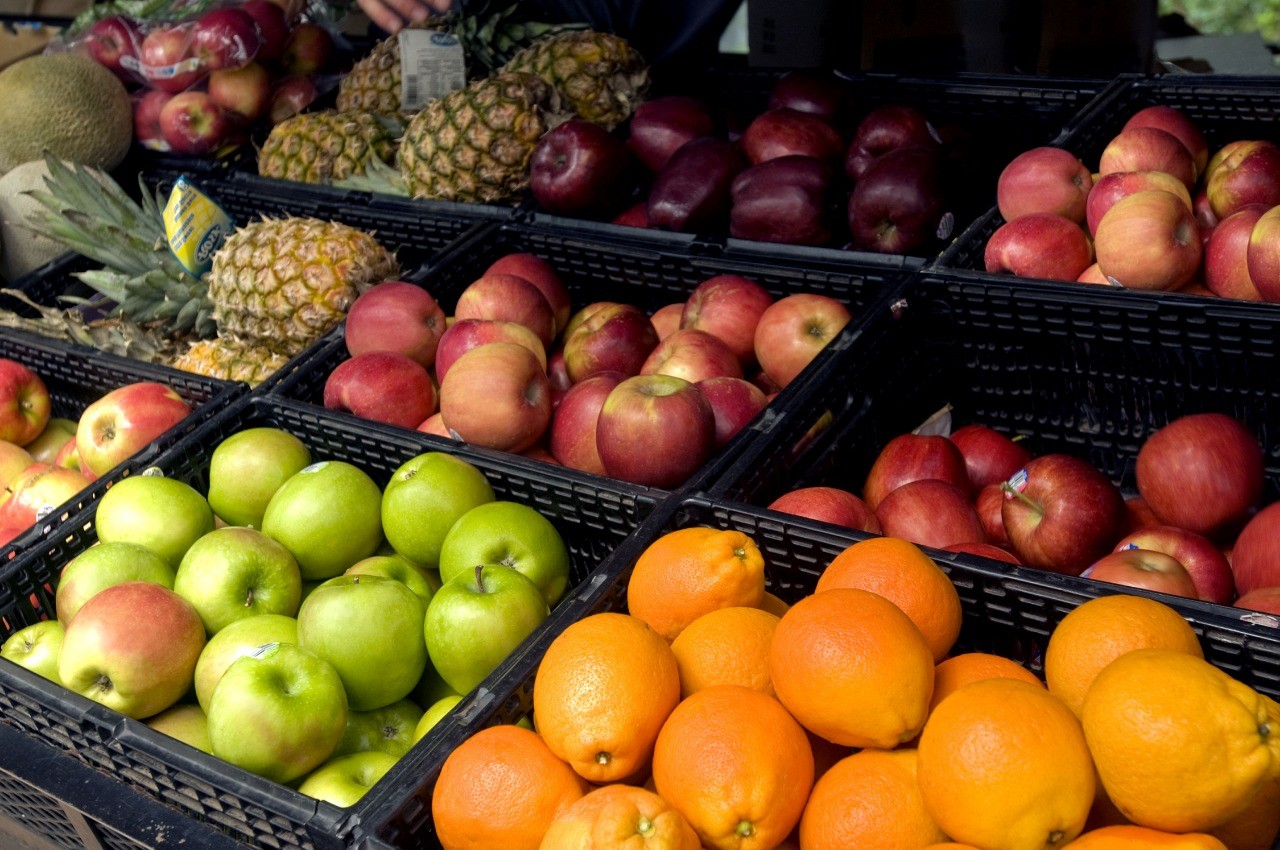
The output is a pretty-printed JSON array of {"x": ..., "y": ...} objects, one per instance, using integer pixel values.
[
  {"x": 65, "y": 103},
  {"x": 23, "y": 250}
]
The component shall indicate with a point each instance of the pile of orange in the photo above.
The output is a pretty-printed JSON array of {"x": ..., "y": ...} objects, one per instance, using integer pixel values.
[{"x": 715, "y": 716}]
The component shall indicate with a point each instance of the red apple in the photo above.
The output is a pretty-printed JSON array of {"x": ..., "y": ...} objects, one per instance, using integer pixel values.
[
  {"x": 1041, "y": 245},
  {"x": 667, "y": 319},
  {"x": 273, "y": 27},
  {"x": 1063, "y": 516},
  {"x": 793, "y": 331},
  {"x": 1141, "y": 568},
  {"x": 930, "y": 513},
  {"x": 290, "y": 96},
  {"x": 394, "y": 316},
  {"x": 308, "y": 50},
  {"x": 1202, "y": 472},
  {"x": 1148, "y": 149},
  {"x": 385, "y": 386},
  {"x": 39, "y": 490},
  {"x": 655, "y": 430},
  {"x": 692, "y": 355},
  {"x": 1264, "y": 599},
  {"x": 538, "y": 453},
  {"x": 125, "y": 420},
  {"x": 193, "y": 123},
  {"x": 497, "y": 396},
  {"x": 539, "y": 272},
  {"x": 147, "y": 107},
  {"x": 1203, "y": 561},
  {"x": 811, "y": 90},
  {"x": 608, "y": 338},
  {"x": 693, "y": 191},
  {"x": 734, "y": 402},
  {"x": 729, "y": 307},
  {"x": 790, "y": 132},
  {"x": 14, "y": 460},
  {"x": 1122, "y": 184},
  {"x": 1243, "y": 172},
  {"x": 1226, "y": 255},
  {"x": 558, "y": 375},
  {"x": 985, "y": 550},
  {"x": 989, "y": 456},
  {"x": 1093, "y": 275},
  {"x": 1205, "y": 216},
  {"x": 166, "y": 60},
  {"x": 508, "y": 298},
  {"x": 25, "y": 406},
  {"x": 662, "y": 125},
  {"x": 225, "y": 37},
  {"x": 828, "y": 504},
  {"x": 636, "y": 215},
  {"x": 573, "y": 427},
  {"x": 989, "y": 503},
  {"x": 244, "y": 92},
  {"x": 1255, "y": 558},
  {"x": 914, "y": 457},
  {"x": 465, "y": 334},
  {"x": 1176, "y": 124},
  {"x": 580, "y": 169},
  {"x": 1044, "y": 179},
  {"x": 1149, "y": 240},
  {"x": 897, "y": 205},
  {"x": 1263, "y": 254},
  {"x": 884, "y": 129},
  {"x": 1138, "y": 516},
  {"x": 434, "y": 424},
  {"x": 113, "y": 43}
]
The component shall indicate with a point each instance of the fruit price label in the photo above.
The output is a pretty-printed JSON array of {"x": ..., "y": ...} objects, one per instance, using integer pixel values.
[
  {"x": 195, "y": 226},
  {"x": 432, "y": 65}
]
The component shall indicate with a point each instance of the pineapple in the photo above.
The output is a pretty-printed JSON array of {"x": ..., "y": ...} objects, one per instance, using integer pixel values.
[
  {"x": 600, "y": 76},
  {"x": 488, "y": 40},
  {"x": 324, "y": 147},
  {"x": 474, "y": 144},
  {"x": 230, "y": 361}
]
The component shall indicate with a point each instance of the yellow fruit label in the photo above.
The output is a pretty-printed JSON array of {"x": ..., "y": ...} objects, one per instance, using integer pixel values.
[{"x": 195, "y": 226}]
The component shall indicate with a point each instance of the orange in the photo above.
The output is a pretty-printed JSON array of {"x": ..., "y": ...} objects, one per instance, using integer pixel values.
[
  {"x": 1100, "y": 631},
  {"x": 729, "y": 646},
  {"x": 602, "y": 692},
  {"x": 1258, "y": 826},
  {"x": 1140, "y": 838},
  {"x": 960, "y": 670},
  {"x": 950, "y": 845},
  {"x": 1179, "y": 745},
  {"x": 687, "y": 573},
  {"x": 736, "y": 765},
  {"x": 501, "y": 787},
  {"x": 773, "y": 604},
  {"x": 852, "y": 668},
  {"x": 870, "y": 800},
  {"x": 901, "y": 572},
  {"x": 620, "y": 817},
  {"x": 1004, "y": 766}
]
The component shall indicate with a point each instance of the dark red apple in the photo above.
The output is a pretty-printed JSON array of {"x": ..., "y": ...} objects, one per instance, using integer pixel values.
[
  {"x": 985, "y": 550},
  {"x": 1226, "y": 255},
  {"x": 1201, "y": 472},
  {"x": 1264, "y": 599},
  {"x": 662, "y": 125},
  {"x": 308, "y": 50},
  {"x": 655, "y": 430},
  {"x": 609, "y": 338},
  {"x": 930, "y": 513},
  {"x": 989, "y": 504},
  {"x": 580, "y": 169},
  {"x": 273, "y": 27},
  {"x": 636, "y": 215},
  {"x": 1064, "y": 516},
  {"x": 884, "y": 129},
  {"x": 790, "y": 132},
  {"x": 734, "y": 402},
  {"x": 828, "y": 504},
  {"x": 1203, "y": 561},
  {"x": 787, "y": 199},
  {"x": 573, "y": 427},
  {"x": 914, "y": 457},
  {"x": 290, "y": 96},
  {"x": 1255, "y": 558},
  {"x": 1145, "y": 569},
  {"x": 989, "y": 456},
  {"x": 1043, "y": 245},
  {"x": 897, "y": 205},
  {"x": 691, "y": 193},
  {"x": 1138, "y": 516}
]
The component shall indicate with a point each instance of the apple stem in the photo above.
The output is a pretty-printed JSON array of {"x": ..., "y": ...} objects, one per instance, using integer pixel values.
[
  {"x": 480, "y": 577},
  {"x": 1016, "y": 493}
]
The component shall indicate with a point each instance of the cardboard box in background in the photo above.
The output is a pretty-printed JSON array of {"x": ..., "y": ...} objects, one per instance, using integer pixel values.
[{"x": 18, "y": 41}]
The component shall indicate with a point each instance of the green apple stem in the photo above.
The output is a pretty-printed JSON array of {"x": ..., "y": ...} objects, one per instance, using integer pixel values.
[
  {"x": 1031, "y": 503},
  {"x": 480, "y": 577}
]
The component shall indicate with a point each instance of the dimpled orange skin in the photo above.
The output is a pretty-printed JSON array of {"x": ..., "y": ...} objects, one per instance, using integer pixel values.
[
  {"x": 1129, "y": 837},
  {"x": 620, "y": 817},
  {"x": 1003, "y": 765},
  {"x": 960, "y": 670}
]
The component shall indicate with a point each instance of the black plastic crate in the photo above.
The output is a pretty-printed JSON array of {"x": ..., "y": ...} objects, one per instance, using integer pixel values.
[
  {"x": 593, "y": 517},
  {"x": 596, "y": 267},
  {"x": 1006, "y": 612},
  {"x": 1224, "y": 108},
  {"x": 76, "y": 377}
]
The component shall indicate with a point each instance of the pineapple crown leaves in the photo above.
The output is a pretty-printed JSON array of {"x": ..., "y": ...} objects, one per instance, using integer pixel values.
[
  {"x": 378, "y": 177},
  {"x": 117, "y": 336},
  {"x": 491, "y": 37}
]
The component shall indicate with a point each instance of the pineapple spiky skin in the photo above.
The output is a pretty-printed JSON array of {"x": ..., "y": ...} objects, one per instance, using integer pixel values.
[
  {"x": 600, "y": 76},
  {"x": 324, "y": 147},
  {"x": 280, "y": 283},
  {"x": 373, "y": 84},
  {"x": 230, "y": 360},
  {"x": 475, "y": 144}
]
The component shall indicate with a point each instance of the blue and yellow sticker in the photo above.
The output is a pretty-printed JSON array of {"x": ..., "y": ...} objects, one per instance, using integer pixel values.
[{"x": 195, "y": 226}]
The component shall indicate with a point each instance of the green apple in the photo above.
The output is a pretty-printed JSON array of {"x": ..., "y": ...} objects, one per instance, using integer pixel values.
[
  {"x": 513, "y": 535},
  {"x": 163, "y": 514},
  {"x": 236, "y": 572},
  {"x": 44, "y": 448},
  {"x": 477, "y": 618},
  {"x": 424, "y": 498},
  {"x": 36, "y": 647},
  {"x": 247, "y": 468},
  {"x": 370, "y": 629},
  {"x": 185, "y": 722},
  {"x": 388, "y": 729},
  {"x": 242, "y": 637},
  {"x": 431, "y": 687},
  {"x": 327, "y": 515},
  {"x": 434, "y": 715},
  {"x": 399, "y": 568},
  {"x": 278, "y": 712},
  {"x": 342, "y": 781},
  {"x": 103, "y": 565},
  {"x": 132, "y": 647}
]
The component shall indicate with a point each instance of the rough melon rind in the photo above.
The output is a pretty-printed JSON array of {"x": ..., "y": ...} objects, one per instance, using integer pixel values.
[
  {"x": 23, "y": 251},
  {"x": 65, "y": 103}
]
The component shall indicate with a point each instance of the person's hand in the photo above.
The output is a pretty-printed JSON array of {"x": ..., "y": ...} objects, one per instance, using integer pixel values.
[{"x": 392, "y": 15}]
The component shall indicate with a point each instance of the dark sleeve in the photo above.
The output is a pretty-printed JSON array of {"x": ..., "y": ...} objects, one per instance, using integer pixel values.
[{"x": 664, "y": 31}]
